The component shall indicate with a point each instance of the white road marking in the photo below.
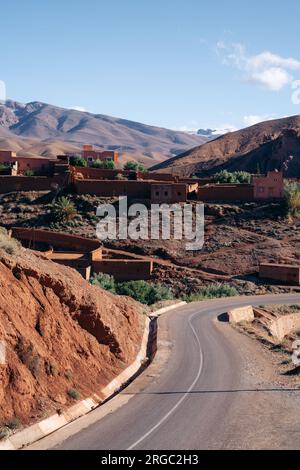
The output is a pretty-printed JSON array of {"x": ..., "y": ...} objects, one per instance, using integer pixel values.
[{"x": 164, "y": 418}]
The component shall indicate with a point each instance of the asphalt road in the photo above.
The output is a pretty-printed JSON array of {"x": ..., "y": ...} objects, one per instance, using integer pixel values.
[{"x": 186, "y": 405}]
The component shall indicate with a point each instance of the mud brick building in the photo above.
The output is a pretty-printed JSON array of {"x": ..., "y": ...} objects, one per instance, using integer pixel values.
[
  {"x": 22, "y": 164},
  {"x": 262, "y": 187},
  {"x": 286, "y": 273},
  {"x": 91, "y": 155},
  {"x": 168, "y": 193},
  {"x": 269, "y": 186},
  {"x": 226, "y": 192},
  {"x": 85, "y": 255}
]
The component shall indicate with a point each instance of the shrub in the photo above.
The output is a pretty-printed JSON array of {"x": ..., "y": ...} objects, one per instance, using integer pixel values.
[
  {"x": 4, "y": 167},
  {"x": 14, "y": 423},
  {"x": 235, "y": 177},
  {"x": 295, "y": 307},
  {"x": 73, "y": 393},
  {"x": 4, "y": 433},
  {"x": 34, "y": 365},
  {"x": 105, "y": 281},
  {"x": 63, "y": 210},
  {"x": 51, "y": 369},
  {"x": 134, "y": 166},
  {"x": 104, "y": 164},
  {"x": 77, "y": 160},
  {"x": 69, "y": 374},
  {"x": 212, "y": 291},
  {"x": 28, "y": 355},
  {"x": 9, "y": 245},
  {"x": 29, "y": 173},
  {"x": 292, "y": 198},
  {"x": 144, "y": 292},
  {"x": 142, "y": 168}
]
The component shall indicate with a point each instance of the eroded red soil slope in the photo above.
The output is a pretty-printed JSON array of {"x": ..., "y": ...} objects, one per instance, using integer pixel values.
[{"x": 61, "y": 333}]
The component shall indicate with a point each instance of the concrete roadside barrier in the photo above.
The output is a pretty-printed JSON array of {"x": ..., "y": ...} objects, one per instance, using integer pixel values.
[
  {"x": 285, "y": 325},
  {"x": 163, "y": 310},
  {"x": 241, "y": 314}
]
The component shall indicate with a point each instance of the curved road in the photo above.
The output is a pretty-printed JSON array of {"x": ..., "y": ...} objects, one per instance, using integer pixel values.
[{"x": 188, "y": 403}]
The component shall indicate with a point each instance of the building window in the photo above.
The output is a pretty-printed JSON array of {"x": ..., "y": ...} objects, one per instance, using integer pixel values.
[
  {"x": 157, "y": 193},
  {"x": 166, "y": 193}
]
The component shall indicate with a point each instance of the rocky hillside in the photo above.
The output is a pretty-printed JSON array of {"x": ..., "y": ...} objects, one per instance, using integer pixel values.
[
  {"x": 265, "y": 146},
  {"x": 61, "y": 334},
  {"x": 39, "y": 128}
]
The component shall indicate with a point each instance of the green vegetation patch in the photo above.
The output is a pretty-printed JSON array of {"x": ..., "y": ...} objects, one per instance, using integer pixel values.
[
  {"x": 147, "y": 293},
  {"x": 235, "y": 177},
  {"x": 212, "y": 291}
]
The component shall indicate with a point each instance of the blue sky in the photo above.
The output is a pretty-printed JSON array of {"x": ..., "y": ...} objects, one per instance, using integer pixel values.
[{"x": 178, "y": 64}]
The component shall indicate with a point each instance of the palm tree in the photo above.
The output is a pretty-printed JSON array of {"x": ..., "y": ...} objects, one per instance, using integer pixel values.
[{"x": 63, "y": 209}]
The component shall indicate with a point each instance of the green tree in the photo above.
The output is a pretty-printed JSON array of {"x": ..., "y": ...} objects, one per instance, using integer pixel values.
[
  {"x": 104, "y": 164},
  {"x": 77, "y": 160},
  {"x": 235, "y": 177},
  {"x": 135, "y": 166}
]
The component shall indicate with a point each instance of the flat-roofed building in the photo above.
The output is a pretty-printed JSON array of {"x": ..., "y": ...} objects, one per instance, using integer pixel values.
[
  {"x": 270, "y": 186},
  {"x": 168, "y": 193},
  {"x": 287, "y": 273},
  {"x": 22, "y": 164}
]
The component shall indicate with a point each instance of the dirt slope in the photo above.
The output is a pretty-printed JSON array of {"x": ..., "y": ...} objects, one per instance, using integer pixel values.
[
  {"x": 60, "y": 333},
  {"x": 266, "y": 145}
]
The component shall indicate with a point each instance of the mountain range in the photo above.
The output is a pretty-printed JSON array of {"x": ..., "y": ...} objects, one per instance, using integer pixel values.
[
  {"x": 265, "y": 146},
  {"x": 42, "y": 129}
]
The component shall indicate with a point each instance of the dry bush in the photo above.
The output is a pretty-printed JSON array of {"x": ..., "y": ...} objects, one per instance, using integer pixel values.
[{"x": 9, "y": 245}]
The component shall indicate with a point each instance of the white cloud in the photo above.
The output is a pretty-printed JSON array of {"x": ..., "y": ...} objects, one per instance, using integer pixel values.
[
  {"x": 266, "y": 69},
  {"x": 253, "y": 119},
  {"x": 273, "y": 79},
  {"x": 268, "y": 59}
]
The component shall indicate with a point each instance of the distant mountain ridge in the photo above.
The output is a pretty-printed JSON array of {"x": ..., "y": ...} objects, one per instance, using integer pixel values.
[
  {"x": 45, "y": 129},
  {"x": 265, "y": 146}
]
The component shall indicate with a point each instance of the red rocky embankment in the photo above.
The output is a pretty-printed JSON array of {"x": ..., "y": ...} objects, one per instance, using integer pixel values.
[{"x": 61, "y": 335}]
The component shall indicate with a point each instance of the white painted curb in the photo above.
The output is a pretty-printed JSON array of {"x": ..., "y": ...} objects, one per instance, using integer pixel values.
[{"x": 159, "y": 312}]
